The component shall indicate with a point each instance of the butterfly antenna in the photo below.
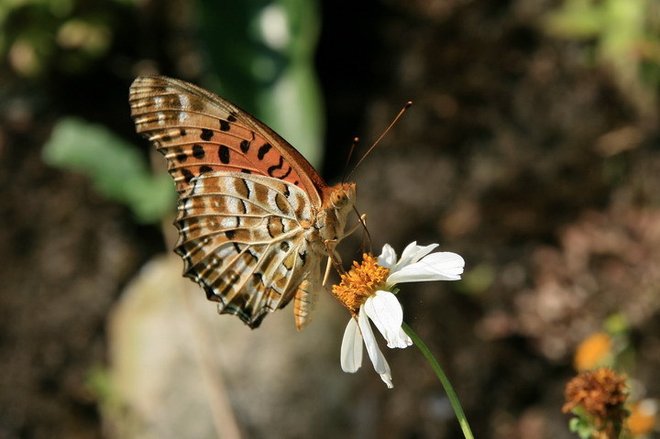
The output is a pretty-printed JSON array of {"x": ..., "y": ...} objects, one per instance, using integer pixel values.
[
  {"x": 389, "y": 127},
  {"x": 356, "y": 140}
]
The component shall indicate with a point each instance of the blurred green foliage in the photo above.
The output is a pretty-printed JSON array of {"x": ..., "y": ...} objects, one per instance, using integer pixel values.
[
  {"x": 117, "y": 169},
  {"x": 477, "y": 280},
  {"x": 625, "y": 36},
  {"x": 581, "y": 424},
  {"x": 261, "y": 55},
  {"x": 38, "y": 36}
]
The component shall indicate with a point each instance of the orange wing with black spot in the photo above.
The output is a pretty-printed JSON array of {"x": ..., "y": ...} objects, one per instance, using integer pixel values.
[{"x": 200, "y": 132}]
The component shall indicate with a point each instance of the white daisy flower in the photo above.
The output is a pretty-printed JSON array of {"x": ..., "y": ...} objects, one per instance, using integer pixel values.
[{"x": 368, "y": 289}]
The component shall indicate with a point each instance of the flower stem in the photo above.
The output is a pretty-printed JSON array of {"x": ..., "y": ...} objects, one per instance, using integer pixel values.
[{"x": 453, "y": 398}]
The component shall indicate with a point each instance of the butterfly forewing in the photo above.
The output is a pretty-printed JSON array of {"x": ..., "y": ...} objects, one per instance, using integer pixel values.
[{"x": 199, "y": 132}]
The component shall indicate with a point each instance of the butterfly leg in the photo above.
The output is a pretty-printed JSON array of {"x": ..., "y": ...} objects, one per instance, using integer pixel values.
[
  {"x": 328, "y": 266},
  {"x": 362, "y": 222},
  {"x": 333, "y": 256}
]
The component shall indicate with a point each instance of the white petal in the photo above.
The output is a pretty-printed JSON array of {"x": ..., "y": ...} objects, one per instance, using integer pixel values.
[
  {"x": 413, "y": 253},
  {"x": 385, "y": 311},
  {"x": 351, "y": 348},
  {"x": 387, "y": 379},
  {"x": 436, "y": 266},
  {"x": 403, "y": 336},
  {"x": 387, "y": 257},
  {"x": 375, "y": 355}
]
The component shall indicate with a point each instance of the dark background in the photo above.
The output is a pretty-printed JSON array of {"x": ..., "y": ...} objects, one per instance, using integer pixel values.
[{"x": 522, "y": 152}]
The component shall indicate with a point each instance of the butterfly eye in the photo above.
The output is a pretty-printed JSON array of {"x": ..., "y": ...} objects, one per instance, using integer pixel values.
[
  {"x": 339, "y": 199},
  {"x": 342, "y": 195}
]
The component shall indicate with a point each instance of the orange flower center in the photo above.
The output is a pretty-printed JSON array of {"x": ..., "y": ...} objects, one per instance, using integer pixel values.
[{"x": 360, "y": 283}]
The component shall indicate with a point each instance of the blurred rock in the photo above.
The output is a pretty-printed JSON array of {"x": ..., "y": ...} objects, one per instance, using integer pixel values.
[{"x": 176, "y": 364}]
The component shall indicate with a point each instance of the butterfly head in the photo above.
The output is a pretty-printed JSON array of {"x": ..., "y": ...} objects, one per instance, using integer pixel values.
[
  {"x": 337, "y": 205},
  {"x": 342, "y": 196}
]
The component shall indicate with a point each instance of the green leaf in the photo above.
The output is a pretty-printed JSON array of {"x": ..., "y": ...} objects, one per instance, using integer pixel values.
[
  {"x": 116, "y": 168},
  {"x": 576, "y": 19}
]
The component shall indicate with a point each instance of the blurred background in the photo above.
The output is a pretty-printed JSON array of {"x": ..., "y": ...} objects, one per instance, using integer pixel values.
[{"x": 532, "y": 149}]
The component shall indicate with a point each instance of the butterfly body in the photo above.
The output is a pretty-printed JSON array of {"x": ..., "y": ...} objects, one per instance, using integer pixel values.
[{"x": 255, "y": 219}]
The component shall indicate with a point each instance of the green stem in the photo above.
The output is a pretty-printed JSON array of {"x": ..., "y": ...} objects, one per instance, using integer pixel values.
[{"x": 453, "y": 399}]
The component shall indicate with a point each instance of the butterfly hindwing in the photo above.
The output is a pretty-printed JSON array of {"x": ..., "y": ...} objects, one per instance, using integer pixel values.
[{"x": 242, "y": 240}]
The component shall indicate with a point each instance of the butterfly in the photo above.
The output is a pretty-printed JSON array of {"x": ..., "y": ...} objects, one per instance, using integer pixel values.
[{"x": 255, "y": 219}]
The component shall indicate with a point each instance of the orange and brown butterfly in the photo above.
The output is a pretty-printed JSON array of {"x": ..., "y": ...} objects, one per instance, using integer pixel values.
[{"x": 255, "y": 219}]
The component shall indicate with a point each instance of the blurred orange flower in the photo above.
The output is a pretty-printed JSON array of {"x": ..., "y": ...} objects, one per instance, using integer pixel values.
[
  {"x": 593, "y": 351},
  {"x": 643, "y": 417}
]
